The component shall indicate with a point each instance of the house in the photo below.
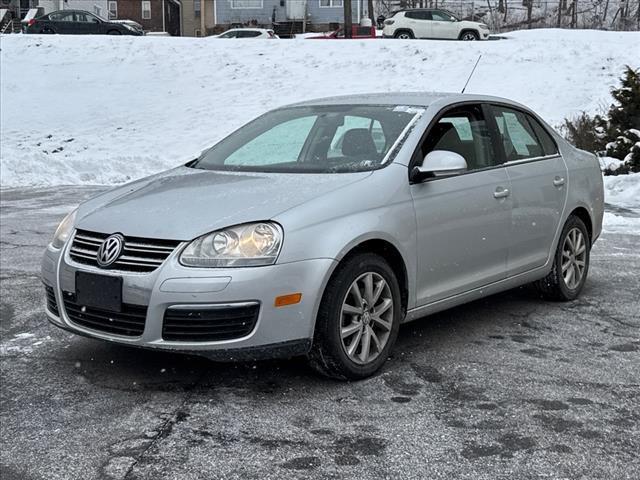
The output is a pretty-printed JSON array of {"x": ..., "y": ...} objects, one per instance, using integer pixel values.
[
  {"x": 205, "y": 17},
  {"x": 153, "y": 15}
]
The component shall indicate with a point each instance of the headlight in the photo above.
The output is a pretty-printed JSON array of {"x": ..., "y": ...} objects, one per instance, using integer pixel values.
[
  {"x": 248, "y": 245},
  {"x": 484, "y": 27},
  {"x": 64, "y": 230}
]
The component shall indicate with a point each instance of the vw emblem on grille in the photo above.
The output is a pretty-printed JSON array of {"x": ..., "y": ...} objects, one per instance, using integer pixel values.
[{"x": 110, "y": 250}]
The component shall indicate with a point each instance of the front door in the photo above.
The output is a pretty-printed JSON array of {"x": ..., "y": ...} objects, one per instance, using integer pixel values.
[
  {"x": 538, "y": 177},
  {"x": 443, "y": 25},
  {"x": 63, "y": 22},
  {"x": 463, "y": 222},
  {"x": 419, "y": 22},
  {"x": 88, "y": 24}
]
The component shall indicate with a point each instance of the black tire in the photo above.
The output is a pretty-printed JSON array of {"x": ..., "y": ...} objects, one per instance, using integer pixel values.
[
  {"x": 114, "y": 32},
  {"x": 404, "y": 34},
  {"x": 554, "y": 286},
  {"x": 469, "y": 35},
  {"x": 328, "y": 355},
  {"x": 47, "y": 31}
]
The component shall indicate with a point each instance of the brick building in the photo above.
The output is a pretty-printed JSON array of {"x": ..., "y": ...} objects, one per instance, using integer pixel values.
[{"x": 153, "y": 15}]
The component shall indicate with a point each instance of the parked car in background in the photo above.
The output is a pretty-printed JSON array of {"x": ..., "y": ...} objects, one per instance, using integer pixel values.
[
  {"x": 78, "y": 22},
  {"x": 248, "y": 33},
  {"x": 357, "y": 32},
  {"x": 320, "y": 227},
  {"x": 434, "y": 24}
]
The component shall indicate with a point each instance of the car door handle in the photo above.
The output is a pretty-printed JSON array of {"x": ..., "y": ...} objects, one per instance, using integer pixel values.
[
  {"x": 501, "y": 192},
  {"x": 558, "y": 181}
]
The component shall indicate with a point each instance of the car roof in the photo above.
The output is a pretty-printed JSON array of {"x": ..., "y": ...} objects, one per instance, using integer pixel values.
[
  {"x": 72, "y": 10},
  {"x": 422, "y": 99}
]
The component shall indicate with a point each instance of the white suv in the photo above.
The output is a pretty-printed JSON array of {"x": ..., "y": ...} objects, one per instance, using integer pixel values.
[{"x": 437, "y": 24}]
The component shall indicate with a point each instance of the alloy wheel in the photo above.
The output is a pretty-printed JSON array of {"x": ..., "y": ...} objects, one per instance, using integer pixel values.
[
  {"x": 468, "y": 36},
  {"x": 574, "y": 252},
  {"x": 366, "y": 318}
]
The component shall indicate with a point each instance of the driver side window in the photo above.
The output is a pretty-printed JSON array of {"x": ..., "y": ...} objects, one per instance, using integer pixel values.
[{"x": 463, "y": 130}]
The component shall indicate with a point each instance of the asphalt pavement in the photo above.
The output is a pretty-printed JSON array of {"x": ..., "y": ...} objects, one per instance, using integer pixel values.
[{"x": 509, "y": 387}]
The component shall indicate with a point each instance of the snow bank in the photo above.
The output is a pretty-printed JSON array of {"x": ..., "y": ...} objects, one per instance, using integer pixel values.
[
  {"x": 623, "y": 190},
  {"x": 102, "y": 110}
]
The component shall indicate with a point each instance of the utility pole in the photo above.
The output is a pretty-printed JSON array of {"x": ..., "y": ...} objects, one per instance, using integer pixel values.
[{"x": 347, "y": 19}]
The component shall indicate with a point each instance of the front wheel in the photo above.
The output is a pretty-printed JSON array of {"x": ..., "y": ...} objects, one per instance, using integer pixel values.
[
  {"x": 404, "y": 35},
  {"x": 358, "y": 319},
  {"x": 571, "y": 263},
  {"x": 469, "y": 36},
  {"x": 114, "y": 32}
]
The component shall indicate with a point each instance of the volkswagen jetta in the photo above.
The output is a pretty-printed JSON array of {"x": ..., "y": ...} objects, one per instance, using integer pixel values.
[{"x": 320, "y": 227}]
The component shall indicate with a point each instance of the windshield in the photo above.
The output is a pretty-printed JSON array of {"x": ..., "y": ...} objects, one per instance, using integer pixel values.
[{"x": 318, "y": 139}]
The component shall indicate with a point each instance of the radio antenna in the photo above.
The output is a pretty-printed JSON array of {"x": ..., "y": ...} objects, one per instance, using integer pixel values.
[{"x": 471, "y": 74}]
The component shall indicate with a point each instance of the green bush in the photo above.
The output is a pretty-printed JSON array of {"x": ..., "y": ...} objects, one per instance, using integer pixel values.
[{"x": 617, "y": 133}]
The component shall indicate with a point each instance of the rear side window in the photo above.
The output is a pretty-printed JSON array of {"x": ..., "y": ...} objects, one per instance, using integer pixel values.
[
  {"x": 518, "y": 138},
  {"x": 548, "y": 145},
  {"x": 418, "y": 15},
  {"x": 248, "y": 34}
]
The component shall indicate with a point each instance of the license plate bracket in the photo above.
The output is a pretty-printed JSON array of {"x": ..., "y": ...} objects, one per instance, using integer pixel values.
[{"x": 99, "y": 291}]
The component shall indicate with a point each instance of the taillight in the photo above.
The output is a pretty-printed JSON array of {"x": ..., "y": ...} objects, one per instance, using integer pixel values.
[
  {"x": 389, "y": 22},
  {"x": 31, "y": 22}
]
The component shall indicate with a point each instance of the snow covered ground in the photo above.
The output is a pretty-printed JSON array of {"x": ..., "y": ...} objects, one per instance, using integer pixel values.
[
  {"x": 105, "y": 110},
  {"x": 623, "y": 193}
]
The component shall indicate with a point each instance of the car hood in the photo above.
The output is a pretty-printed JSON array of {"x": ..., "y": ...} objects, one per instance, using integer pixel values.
[
  {"x": 184, "y": 203},
  {"x": 470, "y": 24}
]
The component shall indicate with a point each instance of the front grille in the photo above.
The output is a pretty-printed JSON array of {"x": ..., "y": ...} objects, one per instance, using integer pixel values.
[
  {"x": 129, "y": 322},
  {"x": 52, "y": 304},
  {"x": 138, "y": 255},
  {"x": 209, "y": 325}
]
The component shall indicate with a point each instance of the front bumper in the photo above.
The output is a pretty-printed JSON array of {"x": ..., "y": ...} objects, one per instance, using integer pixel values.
[{"x": 278, "y": 331}]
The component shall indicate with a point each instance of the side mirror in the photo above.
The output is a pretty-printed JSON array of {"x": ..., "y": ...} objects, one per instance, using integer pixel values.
[{"x": 437, "y": 164}]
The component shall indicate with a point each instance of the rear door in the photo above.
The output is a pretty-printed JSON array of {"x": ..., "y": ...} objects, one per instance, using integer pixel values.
[
  {"x": 463, "y": 222},
  {"x": 538, "y": 178}
]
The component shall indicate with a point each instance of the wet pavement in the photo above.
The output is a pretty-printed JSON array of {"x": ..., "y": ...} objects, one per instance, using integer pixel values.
[{"x": 507, "y": 387}]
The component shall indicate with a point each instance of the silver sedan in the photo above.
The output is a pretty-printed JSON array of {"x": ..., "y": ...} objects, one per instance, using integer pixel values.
[{"x": 318, "y": 228}]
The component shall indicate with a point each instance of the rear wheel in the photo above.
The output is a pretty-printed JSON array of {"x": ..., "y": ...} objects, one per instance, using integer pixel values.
[
  {"x": 358, "y": 319},
  {"x": 571, "y": 263},
  {"x": 47, "y": 30},
  {"x": 403, "y": 35},
  {"x": 469, "y": 36}
]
